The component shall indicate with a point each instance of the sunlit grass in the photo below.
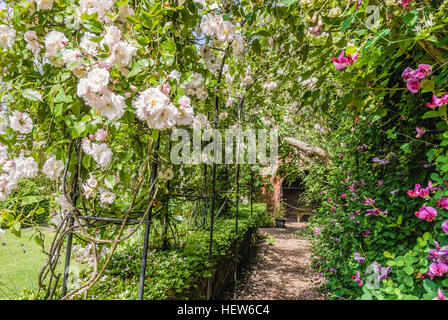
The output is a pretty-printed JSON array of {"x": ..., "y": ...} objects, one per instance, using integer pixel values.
[{"x": 21, "y": 260}]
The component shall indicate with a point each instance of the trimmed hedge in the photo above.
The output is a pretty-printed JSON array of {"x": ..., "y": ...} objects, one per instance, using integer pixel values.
[{"x": 182, "y": 273}]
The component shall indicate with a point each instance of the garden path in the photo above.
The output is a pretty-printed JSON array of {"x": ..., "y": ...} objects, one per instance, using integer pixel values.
[{"x": 282, "y": 268}]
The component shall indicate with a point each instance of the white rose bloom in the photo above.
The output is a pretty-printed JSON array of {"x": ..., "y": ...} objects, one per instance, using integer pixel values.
[
  {"x": 44, "y": 4},
  {"x": 124, "y": 12},
  {"x": 92, "y": 6},
  {"x": 238, "y": 46},
  {"x": 64, "y": 203},
  {"x": 200, "y": 122},
  {"x": 88, "y": 46},
  {"x": 7, "y": 36},
  {"x": 101, "y": 154},
  {"x": 2, "y": 232},
  {"x": 185, "y": 117},
  {"x": 7, "y": 184},
  {"x": 97, "y": 80},
  {"x": 112, "y": 36},
  {"x": 164, "y": 118},
  {"x": 107, "y": 197},
  {"x": 209, "y": 24},
  {"x": 54, "y": 42},
  {"x": 184, "y": 101},
  {"x": 111, "y": 106},
  {"x": 225, "y": 31},
  {"x": 25, "y": 168},
  {"x": 3, "y": 126},
  {"x": 86, "y": 146},
  {"x": 92, "y": 182},
  {"x": 21, "y": 122},
  {"x": 155, "y": 108},
  {"x": 121, "y": 54},
  {"x": 3, "y": 154},
  {"x": 52, "y": 168},
  {"x": 174, "y": 75},
  {"x": 32, "y": 42}
]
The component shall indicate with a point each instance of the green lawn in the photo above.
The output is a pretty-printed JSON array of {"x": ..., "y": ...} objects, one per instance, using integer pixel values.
[{"x": 20, "y": 262}]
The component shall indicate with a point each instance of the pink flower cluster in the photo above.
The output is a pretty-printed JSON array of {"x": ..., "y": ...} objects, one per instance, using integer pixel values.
[
  {"x": 426, "y": 213},
  {"x": 343, "y": 62},
  {"x": 438, "y": 102},
  {"x": 421, "y": 192},
  {"x": 439, "y": 256},
  {"x": 413, "y": 77}
]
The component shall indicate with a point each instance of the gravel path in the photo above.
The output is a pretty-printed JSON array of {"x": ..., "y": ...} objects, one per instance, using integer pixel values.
[{"x": 281, "y": 270}]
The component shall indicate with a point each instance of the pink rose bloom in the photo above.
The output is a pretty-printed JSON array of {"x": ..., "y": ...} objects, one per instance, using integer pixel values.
[
  {"x": 426, "y": 213},
  {"x": 344, "y": 196},
  {"x": 127, "y": 94},
  {"x": 100, "y": 135}
]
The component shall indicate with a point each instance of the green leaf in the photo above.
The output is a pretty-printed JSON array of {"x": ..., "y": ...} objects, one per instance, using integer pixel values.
[
  {"x": 409, "y": 270},
  {"x": 29, "y": 200},
  {"x": 168, "y": 48},
  {"x": 78, "y": 129},
  {"x": 431, "y": 114},
  {"x": 109, "y": 181},
  {"x": 347, "y": 23},
  {"x": 32, "y": 95}
]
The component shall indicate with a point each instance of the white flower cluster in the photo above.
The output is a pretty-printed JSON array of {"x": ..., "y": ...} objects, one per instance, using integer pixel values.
[
  {"x": 200, "y": 122},
  {"x": 121, "y": 51},
  {"x": 21, "y": 122},
  {"x": 195, "y": 87},
  {"x": 270, "y": 85},
  {"x": 16, "y": 169},
  {"x": 156, "y": 109},
  {"x": 32, "y": 42},
  {"x": 94, "y": 6},
  {"x": 211, "y": 61},
  {"x": 7, "y": 36},
  {"x": 215, "y": 26},
  {"x": 186, "y": 114},
  {"x": 52, "y": 168},
  {"x": 44, "y": 4},
  {"x": 239, "y": 45},
  {"x": 101, "y": 153},
  {"x": 93, "y": 88},
  {"x": 89, "y": 186},
  {"x": 54, "y": 42},
  {"x": 106, "y": 197}
]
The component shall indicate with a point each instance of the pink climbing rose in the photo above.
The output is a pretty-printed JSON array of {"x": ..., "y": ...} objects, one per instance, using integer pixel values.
[
  {"x": 343, "y": 62},
  {"x": 426, "y": 213}
]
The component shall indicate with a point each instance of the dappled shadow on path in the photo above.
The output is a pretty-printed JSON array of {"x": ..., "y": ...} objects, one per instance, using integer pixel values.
[{"x": 281, "y": 270}]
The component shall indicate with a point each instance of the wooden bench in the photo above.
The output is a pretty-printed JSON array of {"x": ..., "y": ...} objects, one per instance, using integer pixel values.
[{"x": 300, "y": 212}]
